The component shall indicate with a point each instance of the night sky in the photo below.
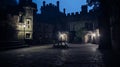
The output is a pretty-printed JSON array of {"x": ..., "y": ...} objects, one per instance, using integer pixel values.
[{"x": 69, "y": 5}]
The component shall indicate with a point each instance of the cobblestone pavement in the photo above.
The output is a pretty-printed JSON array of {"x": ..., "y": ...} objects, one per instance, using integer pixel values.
[{"x": 77, "y": 55}]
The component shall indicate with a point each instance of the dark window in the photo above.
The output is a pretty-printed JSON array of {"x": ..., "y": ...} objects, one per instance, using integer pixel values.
[
  {"x": 27, "y": 35},
  {"x": 28, "y": 26},
  {"x": 28, "y": 22}
]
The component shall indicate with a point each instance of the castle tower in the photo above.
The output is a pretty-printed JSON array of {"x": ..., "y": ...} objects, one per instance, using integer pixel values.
[
  {"x": 58, "y": 5},
  {"x": 43, "y": 3},
  {"x": 26, "y": 28},
  {"x": 84, "y": 9}
]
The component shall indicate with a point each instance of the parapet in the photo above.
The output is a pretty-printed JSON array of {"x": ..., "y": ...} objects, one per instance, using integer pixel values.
[
  {"x": 48, "y": 5},
  {"x": 73, "y": 14}
]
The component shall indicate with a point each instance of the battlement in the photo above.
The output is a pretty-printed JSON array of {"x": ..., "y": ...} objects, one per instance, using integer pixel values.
[
  {"x": 50, "y": 5},
  {"x": 53, "y": 7},
  {"x": 73, "y": 14},
  {"x": 83, "y": 11}
]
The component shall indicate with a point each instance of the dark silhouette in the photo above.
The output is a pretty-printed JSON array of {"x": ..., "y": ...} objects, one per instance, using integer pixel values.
[
  {"x": 108, "y": 23},
  {"x": 52, "y": 20},
  {"x": 6, "y": 7},
  {"x": 48, "y": 23}
]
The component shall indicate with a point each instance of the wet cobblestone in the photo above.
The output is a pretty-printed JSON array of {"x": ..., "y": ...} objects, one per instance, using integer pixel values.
[{"x": 85, "y": 55}]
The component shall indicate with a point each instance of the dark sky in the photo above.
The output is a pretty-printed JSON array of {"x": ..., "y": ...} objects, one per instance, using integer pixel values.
[
  {"x": 70, "y": 5},
  {"x": 7, "y": 3}
]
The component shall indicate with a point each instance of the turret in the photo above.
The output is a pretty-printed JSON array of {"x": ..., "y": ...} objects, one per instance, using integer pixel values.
[
  {"x": 84, "y": 9},
  {"x": 58, "y": 4},
  {"x": 43, "y": 3},
  {"x": 29, "y": 9}
]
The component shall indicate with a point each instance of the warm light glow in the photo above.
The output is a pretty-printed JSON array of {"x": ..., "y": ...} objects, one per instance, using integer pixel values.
[
  {"x": 97, "y": 32},
  {"x": 62, "y": 36},
  {"x": 93, "y": 34},
  {"x": 24, "y": 25}
]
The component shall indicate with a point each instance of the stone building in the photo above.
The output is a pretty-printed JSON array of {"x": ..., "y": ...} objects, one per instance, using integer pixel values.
[
  {"x": 48, "y": 23},
  {"x": 51, "y": 21},
  {"x": 81, "y": 25},
  {"x": 23, "y": 19},
  {"x": 17, "y": 22},
  {"x": 44, "y": 27}
]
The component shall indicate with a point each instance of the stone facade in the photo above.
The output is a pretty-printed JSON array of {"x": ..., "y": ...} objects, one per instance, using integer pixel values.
[
  {"x": 80, "y": 24},
  {"x": 23, "y": 20},
  {"x": 83, "y": 21}
]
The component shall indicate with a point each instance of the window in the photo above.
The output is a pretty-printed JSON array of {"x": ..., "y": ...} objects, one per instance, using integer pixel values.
[
  {"x": 28, "y": 22},
  {"x": 28, "y": 26},
  {"x": 27, "y": 35}
]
